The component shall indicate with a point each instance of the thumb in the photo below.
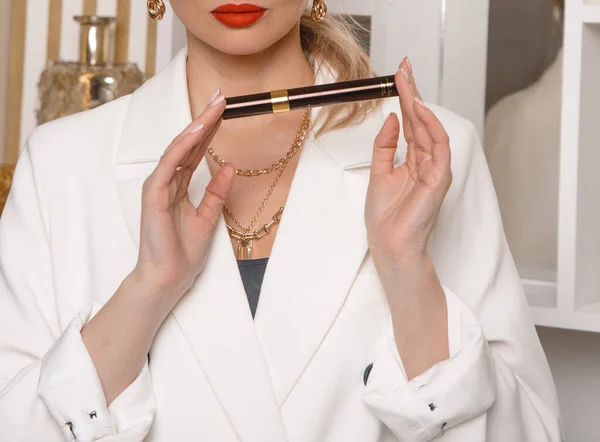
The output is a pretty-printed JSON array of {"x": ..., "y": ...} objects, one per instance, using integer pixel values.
[
  {"x": 216, "y": 195},
  {"x": 385, "y": 146}
]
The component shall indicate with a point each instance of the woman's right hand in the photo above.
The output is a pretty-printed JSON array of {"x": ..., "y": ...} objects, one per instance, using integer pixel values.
[{"x": 175, "y": 236}]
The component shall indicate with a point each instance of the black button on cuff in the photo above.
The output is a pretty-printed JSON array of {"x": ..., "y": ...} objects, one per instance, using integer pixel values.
[{"x": 367, "y": 373}]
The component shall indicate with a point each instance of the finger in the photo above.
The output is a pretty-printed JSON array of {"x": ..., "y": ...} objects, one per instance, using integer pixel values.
[
  {"x": 436, "y": 132},
  {"x": 199, "y": 151},
  {"x": 411, "y": 122},
  {"x": 212, "y": 99},
  {"x": 411, "y": 78},
  {"x": 385, "y": 146},
  {"x": 407, "y": 98},
  {"x": 216, "y": 195},
  {"x": 176, "y": 153},
  {"x": 195, "y": 157},
  {"x": 431, "y": 122}
]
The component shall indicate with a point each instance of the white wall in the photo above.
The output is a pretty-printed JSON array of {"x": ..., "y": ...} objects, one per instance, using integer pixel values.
[{"x": 464, "y": 62}]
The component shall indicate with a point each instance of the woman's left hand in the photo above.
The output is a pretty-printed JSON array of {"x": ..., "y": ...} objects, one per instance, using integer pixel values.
[
  {"x": 403, "y": 202},
  {"x": 401, "y": 208}
]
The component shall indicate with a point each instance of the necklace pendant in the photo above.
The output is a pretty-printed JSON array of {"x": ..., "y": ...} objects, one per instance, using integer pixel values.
[{"x": 245, "y": 248}]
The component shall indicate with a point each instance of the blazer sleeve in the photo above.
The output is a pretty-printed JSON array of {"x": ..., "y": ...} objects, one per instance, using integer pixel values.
[
  {"x": 497, "y": 385},
  {"x": 49, "y": 387}
]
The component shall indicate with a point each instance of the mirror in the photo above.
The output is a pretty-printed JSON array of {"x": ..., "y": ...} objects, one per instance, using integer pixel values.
[{"x": 522, "y": 134}]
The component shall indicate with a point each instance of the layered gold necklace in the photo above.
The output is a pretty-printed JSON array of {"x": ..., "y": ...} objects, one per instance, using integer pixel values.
[{"x": 244, "y": 235}]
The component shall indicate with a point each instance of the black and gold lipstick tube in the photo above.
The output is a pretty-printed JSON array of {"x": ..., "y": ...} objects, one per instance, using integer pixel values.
[{"x": 312, "y": 96}]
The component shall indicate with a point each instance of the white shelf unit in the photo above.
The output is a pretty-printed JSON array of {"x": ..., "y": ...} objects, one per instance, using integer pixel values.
[
  {"x": 591, "y": 13},
  {"x": 572, "y": 299}
]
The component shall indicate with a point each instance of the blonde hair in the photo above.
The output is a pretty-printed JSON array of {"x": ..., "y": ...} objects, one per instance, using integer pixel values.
[{"x": 333, "y": 42}]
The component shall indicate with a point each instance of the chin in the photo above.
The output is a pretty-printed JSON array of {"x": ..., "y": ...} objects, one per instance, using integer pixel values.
[{"x": 234, "y": 42}]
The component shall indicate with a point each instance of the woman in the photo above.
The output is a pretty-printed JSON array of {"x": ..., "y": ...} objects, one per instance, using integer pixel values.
[{"x": 111, "y": 248}]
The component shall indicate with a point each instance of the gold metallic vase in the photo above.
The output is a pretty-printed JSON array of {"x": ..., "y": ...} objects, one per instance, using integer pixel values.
[{"x": 69, "y": 87}]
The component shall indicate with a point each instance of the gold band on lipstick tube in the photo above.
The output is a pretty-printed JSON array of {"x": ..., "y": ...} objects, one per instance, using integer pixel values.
[
  {"x": 280, "y": 101},
  {"x": 387, "y": 89}
]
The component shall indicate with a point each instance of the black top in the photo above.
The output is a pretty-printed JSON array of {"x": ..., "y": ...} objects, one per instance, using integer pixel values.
[{"x": 252, "y": 272}]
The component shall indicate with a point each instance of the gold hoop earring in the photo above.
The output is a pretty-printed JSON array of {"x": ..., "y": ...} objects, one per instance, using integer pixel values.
[
  {"x": 319, "y": 10},
  {"x": 156, "y": 9}
]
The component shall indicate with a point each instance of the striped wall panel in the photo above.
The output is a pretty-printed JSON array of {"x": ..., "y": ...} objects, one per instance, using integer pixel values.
[{"x": 44, "y": 30}]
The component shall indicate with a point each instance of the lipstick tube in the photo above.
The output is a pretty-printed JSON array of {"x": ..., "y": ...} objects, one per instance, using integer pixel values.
[{"x": 287, "y": 100}]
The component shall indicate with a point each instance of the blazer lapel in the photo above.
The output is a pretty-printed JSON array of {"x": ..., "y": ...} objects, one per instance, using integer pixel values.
[
  {"x": 214, "y": 315},
  {"x": 320, "y": 245},
  {"x": 216, "y": 320}
]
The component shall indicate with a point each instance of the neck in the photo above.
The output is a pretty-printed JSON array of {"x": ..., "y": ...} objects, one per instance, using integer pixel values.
[{"x": 281, "y": 66}]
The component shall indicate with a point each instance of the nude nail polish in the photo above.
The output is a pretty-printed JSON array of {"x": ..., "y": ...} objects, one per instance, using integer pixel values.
[
  {"x": 217, "y": 100},
  {"x": 215, "y": 95},
  {"x": 410, "y": 67},
  {"x": 405, "y": 74},
  {"x": 197, "y": 128}
]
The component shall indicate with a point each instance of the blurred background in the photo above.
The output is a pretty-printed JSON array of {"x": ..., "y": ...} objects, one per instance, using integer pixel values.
[{"x": 524, "y": 71}]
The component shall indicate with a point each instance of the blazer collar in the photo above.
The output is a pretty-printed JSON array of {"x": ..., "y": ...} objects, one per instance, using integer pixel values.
[
  {"x": 157, "y": 113},
  {"x": 253, "y": 366}
]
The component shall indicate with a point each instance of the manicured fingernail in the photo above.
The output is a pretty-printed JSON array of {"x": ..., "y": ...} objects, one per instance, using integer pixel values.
[
  {"x": 217, "y": 100},
  {"x": 215, "y": 95},
  {"x": 410, "y": 67},
  {"x": 421, "y": 102},
  {"x": 405, "y": 74},
  {"x": 197, "y": 128}
]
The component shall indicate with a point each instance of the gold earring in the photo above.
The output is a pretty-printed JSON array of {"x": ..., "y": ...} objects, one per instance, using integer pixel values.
[
  {"x": 319, "y": 10},
  {"x": 156, "y": 9}
]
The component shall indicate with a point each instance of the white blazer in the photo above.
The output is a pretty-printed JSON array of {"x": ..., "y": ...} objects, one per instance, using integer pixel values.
[{"x": 69, "y": 236}]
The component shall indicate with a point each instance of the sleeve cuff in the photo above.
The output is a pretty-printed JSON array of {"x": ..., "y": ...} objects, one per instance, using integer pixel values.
[
  {"x": 71, "y": 389},
  {"x": 449, "y": 393}
]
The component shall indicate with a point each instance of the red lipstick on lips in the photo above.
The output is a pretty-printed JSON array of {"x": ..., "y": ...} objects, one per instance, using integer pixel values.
[{"x": 238, "y": 16}]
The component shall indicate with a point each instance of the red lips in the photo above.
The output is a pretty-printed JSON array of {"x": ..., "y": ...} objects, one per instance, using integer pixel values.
[{"x": 238, "y": 16}]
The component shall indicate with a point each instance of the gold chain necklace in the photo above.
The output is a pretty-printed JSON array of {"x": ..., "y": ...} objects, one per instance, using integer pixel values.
[
  {"x": 260, "y": 208},
  {"x": 244, "y": 238},
  {"x": 296, "y": 144}
]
